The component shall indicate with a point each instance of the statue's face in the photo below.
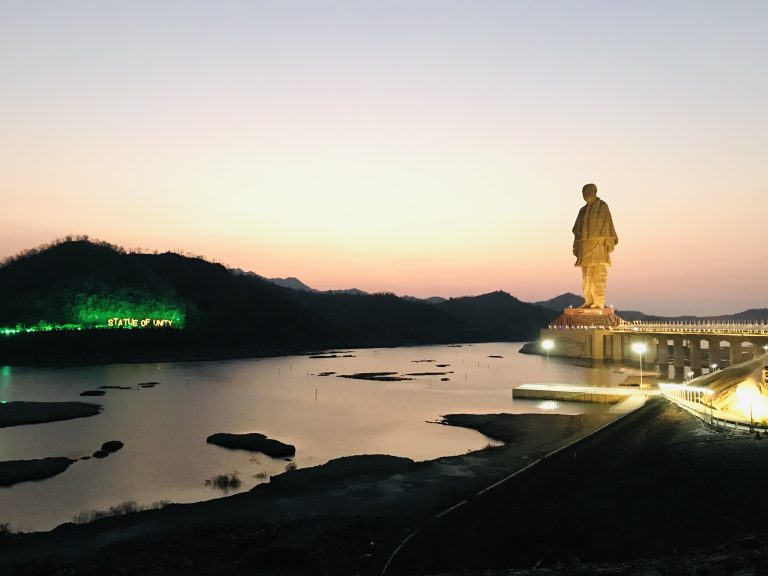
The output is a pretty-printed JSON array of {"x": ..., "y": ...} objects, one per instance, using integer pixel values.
[{"x": 589, "y": 195}]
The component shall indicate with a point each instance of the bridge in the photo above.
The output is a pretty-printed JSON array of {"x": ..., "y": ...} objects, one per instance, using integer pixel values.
[{"x": 601, "y": 334}]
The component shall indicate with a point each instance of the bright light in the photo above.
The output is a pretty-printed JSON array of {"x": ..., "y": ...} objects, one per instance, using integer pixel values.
[
  {"x": 749, "y": 401},
  {"x": 549, "y": 405},
  {"x": 713, "y": 366},
  {"x": 547, "y": 344},
  {"x": 639, "y": 348}
]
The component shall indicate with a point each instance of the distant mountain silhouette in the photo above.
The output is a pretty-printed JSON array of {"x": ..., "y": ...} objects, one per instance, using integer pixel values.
[
  {"x": 349, "y": 291},
  {"x": 569, "y": 299},
  {"x": 434, "y": 300},
  {"x": 296, "y": 284},
  {"x": 562, "y": 301},
  {"x": 753, "y": 314},
  {"x": 502, "y": 315},
  {"x": 291, "y": 282},
  {"x": 78, "y": 283},
  {"x": 430, "y": 300}
]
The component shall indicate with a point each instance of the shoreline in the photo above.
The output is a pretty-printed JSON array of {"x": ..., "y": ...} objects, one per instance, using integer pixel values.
[
  {"x": 388, "y": 494},
  {"x": 70, "y": 360},
  {"x": 604, "y": 498}
]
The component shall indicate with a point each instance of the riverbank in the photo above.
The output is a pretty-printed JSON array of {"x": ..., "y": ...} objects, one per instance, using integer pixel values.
[
  {"x": 103, "y": 346},
  {"x": 343, "y": 517}
]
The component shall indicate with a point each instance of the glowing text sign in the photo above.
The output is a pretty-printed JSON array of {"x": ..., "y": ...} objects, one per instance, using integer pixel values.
[{"x": 139, "y": 323}]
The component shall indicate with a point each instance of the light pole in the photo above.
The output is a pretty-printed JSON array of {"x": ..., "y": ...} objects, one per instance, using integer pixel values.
[
  {"x": 765, "y": 348},
  {"x": 712, "y": 367},
  {"x": 547, "y": 345},
  {"x": 640, "y": 348}
]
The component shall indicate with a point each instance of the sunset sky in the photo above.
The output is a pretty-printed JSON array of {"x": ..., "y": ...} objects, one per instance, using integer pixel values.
[{"x": 423, "y": 147}]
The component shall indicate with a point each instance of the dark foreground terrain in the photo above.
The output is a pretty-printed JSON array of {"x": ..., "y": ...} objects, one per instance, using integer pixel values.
[
  {"x": 653, "y": 493},
  {"x": 656, "y": 484}
]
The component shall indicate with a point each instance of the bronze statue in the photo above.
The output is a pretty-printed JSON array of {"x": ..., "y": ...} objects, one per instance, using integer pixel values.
[{"x": 594, "y": 238}]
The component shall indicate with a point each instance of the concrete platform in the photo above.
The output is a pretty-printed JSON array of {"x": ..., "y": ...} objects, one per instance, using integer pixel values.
[{"x": 571, "y": 393}]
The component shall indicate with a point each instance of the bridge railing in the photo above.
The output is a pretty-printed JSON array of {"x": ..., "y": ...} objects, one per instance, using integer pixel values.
[
  {"x": 698, "y": 400},
  {"x": 704, "y": 327}
]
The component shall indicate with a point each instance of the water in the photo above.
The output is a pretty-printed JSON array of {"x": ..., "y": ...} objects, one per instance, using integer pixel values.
[{"x": 164, "y": 428}]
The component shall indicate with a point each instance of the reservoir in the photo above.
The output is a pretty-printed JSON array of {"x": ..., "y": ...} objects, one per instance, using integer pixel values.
[{"x": 164, "y": 428}]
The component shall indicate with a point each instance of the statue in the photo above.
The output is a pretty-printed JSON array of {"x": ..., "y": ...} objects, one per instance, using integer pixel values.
[{"x": 594, "y": 240}]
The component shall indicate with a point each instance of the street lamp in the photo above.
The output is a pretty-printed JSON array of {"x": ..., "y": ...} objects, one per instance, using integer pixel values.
[
  {"x": 640, "y": 348},
  {"x": 547, "y": 345},
  {"x": 765, "y": 348},
  {"x": 709, "y": 392},
  {"x": 712, "y": 367}
]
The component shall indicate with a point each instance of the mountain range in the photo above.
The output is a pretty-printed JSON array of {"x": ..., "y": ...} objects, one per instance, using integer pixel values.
[
  {"x": 57, "y": 301},
  {"x": 558, "y": 303}
]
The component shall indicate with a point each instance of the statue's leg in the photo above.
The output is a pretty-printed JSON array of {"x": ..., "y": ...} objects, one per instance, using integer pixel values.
[
  {"x": 599, "y": 274},
  {"x": 586, "y": 286}
]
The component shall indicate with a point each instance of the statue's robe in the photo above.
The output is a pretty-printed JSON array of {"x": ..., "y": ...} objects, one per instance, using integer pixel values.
[{"x": 594, "y": 235}]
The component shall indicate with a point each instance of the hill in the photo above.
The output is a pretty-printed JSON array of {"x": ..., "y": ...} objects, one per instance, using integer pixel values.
[
  {"x": 501, "y": 315},
  {"x": 84, "y": 301}
]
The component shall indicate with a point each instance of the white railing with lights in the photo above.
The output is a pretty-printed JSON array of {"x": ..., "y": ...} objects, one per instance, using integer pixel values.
[
  {"x": 698, "y": 327},
  {"x": 698, "y": 401}
]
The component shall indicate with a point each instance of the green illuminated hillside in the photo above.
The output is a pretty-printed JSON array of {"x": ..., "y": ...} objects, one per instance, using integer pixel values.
[{"x": 78, "y": 299}]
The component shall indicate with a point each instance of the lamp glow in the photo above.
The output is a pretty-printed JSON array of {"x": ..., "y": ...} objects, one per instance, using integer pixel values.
[
  {"x": 640, "y": 348},
  {"x": 547, "y": 345}
]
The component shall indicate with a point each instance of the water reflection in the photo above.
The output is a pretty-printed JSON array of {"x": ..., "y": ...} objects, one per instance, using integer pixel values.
[{"x": 164, "y": 428}]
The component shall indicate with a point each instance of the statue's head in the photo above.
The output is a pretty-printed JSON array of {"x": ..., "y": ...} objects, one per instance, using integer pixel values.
[{"x": 589, "y": 192}]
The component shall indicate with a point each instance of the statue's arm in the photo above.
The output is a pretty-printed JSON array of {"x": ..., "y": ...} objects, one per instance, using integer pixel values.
[{"x": 576, "y": 228}]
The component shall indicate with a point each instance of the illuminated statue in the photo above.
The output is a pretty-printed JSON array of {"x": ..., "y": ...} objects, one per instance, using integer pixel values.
[{"x": 594, "y": 240}]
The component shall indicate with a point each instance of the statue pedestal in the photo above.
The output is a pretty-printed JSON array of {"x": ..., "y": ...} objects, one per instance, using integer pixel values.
[
  {"x": 599, "y": 318},
  {"x": 587, "y": 333}
]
